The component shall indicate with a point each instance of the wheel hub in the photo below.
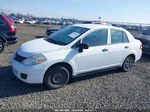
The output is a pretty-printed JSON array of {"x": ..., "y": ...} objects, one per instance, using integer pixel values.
[{"x": 58, "y": 77}]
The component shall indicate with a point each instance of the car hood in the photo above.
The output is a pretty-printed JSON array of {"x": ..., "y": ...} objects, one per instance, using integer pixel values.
[
  {"x": 143, "y": 37},
  {"x": 37, "y": 46}
]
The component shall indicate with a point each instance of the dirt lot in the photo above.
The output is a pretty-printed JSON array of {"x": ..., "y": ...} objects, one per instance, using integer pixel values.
[{"x": 105, "y": 90}]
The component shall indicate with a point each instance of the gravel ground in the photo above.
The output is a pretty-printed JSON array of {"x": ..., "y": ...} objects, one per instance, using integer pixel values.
[{"x": 105, "y": 90}]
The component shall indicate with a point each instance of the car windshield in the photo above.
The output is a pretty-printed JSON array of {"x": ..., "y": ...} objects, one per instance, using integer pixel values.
[
  {"x": 147, "y": 32},
  {"x": 66, "y": 35}
]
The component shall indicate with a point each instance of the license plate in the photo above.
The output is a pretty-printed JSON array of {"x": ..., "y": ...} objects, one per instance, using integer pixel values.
[{"x": 145, "y": 46}]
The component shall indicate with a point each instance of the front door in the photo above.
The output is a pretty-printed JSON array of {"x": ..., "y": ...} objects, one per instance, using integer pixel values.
[{"x": 97, "y": 55}]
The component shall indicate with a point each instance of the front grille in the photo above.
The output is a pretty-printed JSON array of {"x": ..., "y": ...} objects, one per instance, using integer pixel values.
[{"x": 19, "y": 58}]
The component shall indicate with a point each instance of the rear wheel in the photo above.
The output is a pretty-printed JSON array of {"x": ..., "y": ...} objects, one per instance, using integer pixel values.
[
  {"x": 2, "y": 45},
  {"x": 56, "y": 77},
  {"x": 127, "y": 64}
]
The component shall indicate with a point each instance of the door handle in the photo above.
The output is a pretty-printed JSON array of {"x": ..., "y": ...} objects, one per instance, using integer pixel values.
[
  {"x": 104, "y": 50},
  {"x": 126, "y": 47}
]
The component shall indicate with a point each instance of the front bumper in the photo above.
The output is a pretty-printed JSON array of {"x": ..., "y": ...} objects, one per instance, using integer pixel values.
[{"x": 35, "y": 74}]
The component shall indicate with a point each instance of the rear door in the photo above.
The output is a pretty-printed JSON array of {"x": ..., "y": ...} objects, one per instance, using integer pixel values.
[{"x": 119, "y": 47}]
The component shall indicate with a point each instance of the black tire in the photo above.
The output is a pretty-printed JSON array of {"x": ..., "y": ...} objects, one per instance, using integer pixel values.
[
  {"x": 127, "y": 64},
  {"x": 2, "y": 45},
  {"x": 56, "y": 77}
]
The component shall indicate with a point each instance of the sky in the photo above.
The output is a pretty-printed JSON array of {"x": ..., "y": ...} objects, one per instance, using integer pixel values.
[{"x": 137, "y": 11}]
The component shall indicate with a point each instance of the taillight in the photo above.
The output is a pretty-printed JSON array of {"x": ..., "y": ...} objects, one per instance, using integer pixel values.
[
  {"x": 10, "y": 23},
  {"x": 12, "y": 28},
  {"x": 141, "y": 47}
]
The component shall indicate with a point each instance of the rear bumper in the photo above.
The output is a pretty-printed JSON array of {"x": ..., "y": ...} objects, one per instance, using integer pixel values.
[{"x": 12, "y": 42}]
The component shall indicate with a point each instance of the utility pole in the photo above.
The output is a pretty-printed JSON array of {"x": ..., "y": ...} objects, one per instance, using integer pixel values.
[{"x": 99, "y": 19}]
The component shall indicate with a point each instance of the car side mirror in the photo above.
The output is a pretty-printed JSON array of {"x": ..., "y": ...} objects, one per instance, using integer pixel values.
[{"x": 82, "y": 46}]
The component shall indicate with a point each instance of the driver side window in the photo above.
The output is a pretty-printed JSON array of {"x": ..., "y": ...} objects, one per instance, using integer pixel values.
[{"x": 96, "y": 38}]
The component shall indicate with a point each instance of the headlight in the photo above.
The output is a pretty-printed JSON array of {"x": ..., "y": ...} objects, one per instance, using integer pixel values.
[{"x": 33, "y": 60}]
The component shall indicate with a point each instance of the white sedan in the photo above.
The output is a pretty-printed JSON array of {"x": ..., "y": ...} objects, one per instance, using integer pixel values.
[{"x": 73, "y": 51}]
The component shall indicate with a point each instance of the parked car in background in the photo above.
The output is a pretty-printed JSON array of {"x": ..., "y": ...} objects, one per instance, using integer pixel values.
[
  {"x": 16, "y": 21},
  {"x": 30, "y": 22},
  {"x": 145, "y": 39},
  {"x": 73, "y": 51},
  {"x": 7, "y": 31},
  {"x": 49, "y": 31},
  {"x": 21, "y": 21}
]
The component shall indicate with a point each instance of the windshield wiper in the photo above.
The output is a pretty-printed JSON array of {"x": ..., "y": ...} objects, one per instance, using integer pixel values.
[
  {"x": 51, "y": 40},
  {"x": 54, "y": 41},
  {"x": 61, "y": 43}
]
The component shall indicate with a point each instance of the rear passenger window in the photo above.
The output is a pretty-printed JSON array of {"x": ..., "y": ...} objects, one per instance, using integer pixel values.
[
  {"x": 96, "y": 38},
  {"x": 118, "y": 37}
]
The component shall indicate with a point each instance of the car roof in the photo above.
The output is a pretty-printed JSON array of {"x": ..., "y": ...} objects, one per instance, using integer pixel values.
[{"x": 97, "y": 26}]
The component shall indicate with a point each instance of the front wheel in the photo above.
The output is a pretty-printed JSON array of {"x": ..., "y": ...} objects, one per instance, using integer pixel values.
[
  {"x": 127, "y": 64},
  {"x": 2, "y": 45},
  {"x": 56, "y": 77}
]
